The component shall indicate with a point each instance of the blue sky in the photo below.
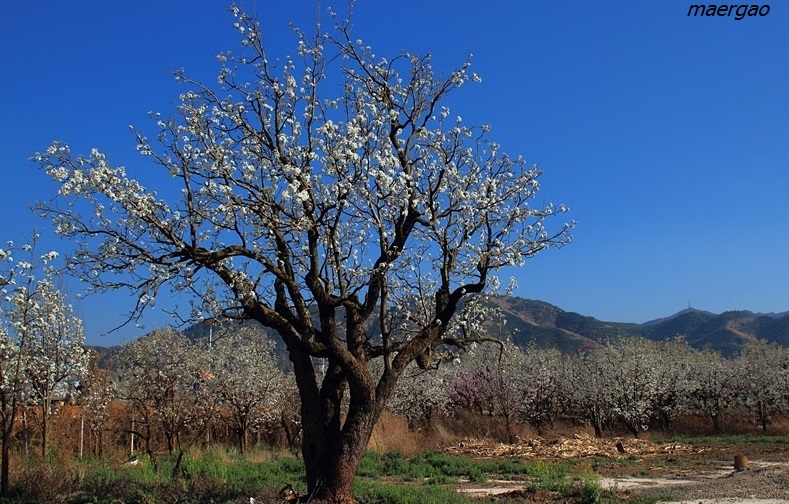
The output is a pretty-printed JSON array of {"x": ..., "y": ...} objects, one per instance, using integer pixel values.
[{"x": 667, "y": 136}]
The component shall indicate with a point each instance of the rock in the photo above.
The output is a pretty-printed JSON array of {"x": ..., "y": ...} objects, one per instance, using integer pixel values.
[{"x": 740, "y": 463}]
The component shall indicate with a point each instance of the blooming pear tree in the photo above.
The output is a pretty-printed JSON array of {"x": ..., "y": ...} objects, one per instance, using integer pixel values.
[
  {"x": 57, "y": 360},
  {"x": 159, "y": 376},
  {"x": 713, "y": 381},
  {"x": 472, "y": 383},
  {"x": 673, "y": 362},
  {"x": 518, "y": 384},
  {"x": 421, "y": 393},
  {"x": 244, "y": 376},
  {"x": 12, "y": 362},
  {"x": 544, "y": 392},
  {"x": 589, "y": 390},
  {"x": 473, "y": 388},
  {"x": 41, "y": 341},
  {"x": 352, "y": 219},
  {"x": 763, "y": 379},
  {"x": 490, "y": 377},
  {"x": 98, "y": 392},
  {"x": 10, "y": 391},
  {"x": 628, "y": 371}
]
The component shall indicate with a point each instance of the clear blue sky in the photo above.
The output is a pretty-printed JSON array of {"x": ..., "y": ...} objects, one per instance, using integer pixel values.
[{"x": 667, "y": 136}]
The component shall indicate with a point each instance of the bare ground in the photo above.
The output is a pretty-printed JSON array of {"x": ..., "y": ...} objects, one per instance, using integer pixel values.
[{"x": 688, "y": 473}]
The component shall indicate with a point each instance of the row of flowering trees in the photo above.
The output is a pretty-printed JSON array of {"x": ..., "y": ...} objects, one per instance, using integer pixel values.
[
  {"x": 632, "y": 382},
  {"x": 177, "y": 387},
  {"x": 42, "y": 356},
  {"x": 173, "y": 387}
]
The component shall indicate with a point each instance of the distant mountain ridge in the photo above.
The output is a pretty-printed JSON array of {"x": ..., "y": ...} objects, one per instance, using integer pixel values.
[{"x": 546, "y": 325}]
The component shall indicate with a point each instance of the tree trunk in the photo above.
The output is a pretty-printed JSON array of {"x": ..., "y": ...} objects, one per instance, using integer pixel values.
[
  {"x": 290, "y": 436},
  {"x": 176, "y": 473},
  {"x": 508, "y": 421},
  {"x": 666, "y": 423},
  {"x": 716, "y": 423},
  {"x": 763, "y": 416},
  {"x": 598, "y": 429},
  {"x": 332, "y": 470},
  {"x": 149, "y": 450},
  {"x": 44, "y": 429},
  {"x": 25, "y": 432},
  {"x": 242, "y": 438},
  {"x": 331, "y": 448},
  {"x": 597, "y": 423},
  {"x": 6, "y": 445}
]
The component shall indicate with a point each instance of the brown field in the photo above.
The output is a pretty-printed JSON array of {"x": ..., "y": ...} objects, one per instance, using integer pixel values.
[{"x": 693, "y": 465}]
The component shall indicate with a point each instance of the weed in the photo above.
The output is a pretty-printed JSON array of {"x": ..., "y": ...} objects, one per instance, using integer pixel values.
[
  {"x": 652, "y": 498},
  {"x": 372, "y": 493},
  {"x": 591, "y": 493}
]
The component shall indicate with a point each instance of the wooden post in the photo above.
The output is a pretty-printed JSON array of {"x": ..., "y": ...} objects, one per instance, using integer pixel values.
[
  {"x": 81, "y": 434},
  {"x": 131, "y": 445}
]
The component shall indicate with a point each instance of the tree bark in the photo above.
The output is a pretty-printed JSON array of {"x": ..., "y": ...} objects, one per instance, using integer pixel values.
[
  {"x": 332, "y": 448},
  {"x": 716, "y": 423},
  {"x": 176, "y": 473},
  {"x": 331, "y": 470},
  {"x": 6, "y": 445},
  {"x": 598, "y": 429},
  {"x": 242, "y": 438},
  {"x": 44, "y": 429},
  {"x": 763, "y": 417}
]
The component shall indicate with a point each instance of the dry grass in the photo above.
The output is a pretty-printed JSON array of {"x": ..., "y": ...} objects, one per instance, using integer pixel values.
[
  {"x": 465, "y": 424},
  {"x": 43, "y": 482},
  {"x": 391, "y": 434}
]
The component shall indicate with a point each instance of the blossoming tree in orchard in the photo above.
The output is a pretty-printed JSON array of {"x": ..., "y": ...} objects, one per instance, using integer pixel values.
[
  {"x": 42, "y": 356},
  {"x": 762, "y": 370},
  {"x": 245, "y": 377},
  {"x": 57, "y": 360},
  {"x": 353, "y": 219},
  {"x": 12, "y": 362},
  {"x": 160, "y": 379},
  {"x": 713, "y": 385}
]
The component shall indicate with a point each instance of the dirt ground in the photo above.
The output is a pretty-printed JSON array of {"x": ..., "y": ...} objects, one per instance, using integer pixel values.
[{"x": 684, "y": 473}]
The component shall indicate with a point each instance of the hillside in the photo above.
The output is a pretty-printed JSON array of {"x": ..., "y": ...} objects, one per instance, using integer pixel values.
[
  {"x": 547, "y": 325},
  {"x": 728, "y": 332}
]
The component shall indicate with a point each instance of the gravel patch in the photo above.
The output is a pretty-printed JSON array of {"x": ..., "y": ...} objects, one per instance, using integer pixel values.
[
  {"x": 730, "y": 501},
  {"x": 767, "y": 482}
]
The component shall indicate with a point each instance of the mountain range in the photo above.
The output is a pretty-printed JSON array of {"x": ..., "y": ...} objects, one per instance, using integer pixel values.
[{"x": 547, "y": 325}]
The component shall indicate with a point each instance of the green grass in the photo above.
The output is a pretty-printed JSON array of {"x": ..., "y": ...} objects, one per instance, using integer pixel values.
[
  {"x": 438, "y": 468},
  {"x": 652, "y": 498},
  {"x": 225, "y": 477},
  {"x": 433, "y": 477},
  {"x": 368, "y": 492}
]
